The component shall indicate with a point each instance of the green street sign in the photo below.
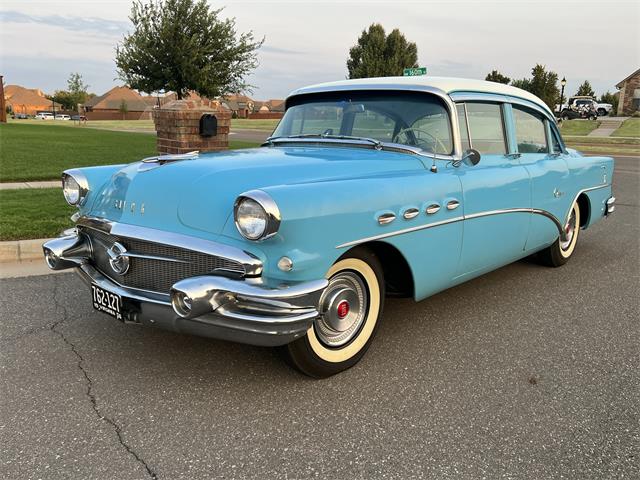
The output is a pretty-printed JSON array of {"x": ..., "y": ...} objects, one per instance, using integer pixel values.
[{"x": 412, "y": 72}]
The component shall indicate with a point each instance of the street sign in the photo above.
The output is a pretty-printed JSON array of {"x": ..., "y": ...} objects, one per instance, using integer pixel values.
[{"x": 412, "y": 72}]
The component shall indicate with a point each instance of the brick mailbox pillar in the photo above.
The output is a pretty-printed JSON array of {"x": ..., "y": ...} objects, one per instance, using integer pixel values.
[{"x": 178, "y": 127}]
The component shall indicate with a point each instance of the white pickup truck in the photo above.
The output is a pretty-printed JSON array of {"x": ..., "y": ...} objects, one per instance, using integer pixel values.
[{"x": 575, "y": 102}]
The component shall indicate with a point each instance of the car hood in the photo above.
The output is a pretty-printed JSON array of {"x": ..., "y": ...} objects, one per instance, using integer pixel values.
[{"x": 199, "y": 193}]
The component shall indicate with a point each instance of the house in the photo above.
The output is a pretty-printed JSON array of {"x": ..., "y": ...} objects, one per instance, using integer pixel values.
[
  {"x": 28, "y": 100},
  {"x": 120, "y": 103},
  {"x": 629, "y": 100},
  {"x": 240, "y": 105}
]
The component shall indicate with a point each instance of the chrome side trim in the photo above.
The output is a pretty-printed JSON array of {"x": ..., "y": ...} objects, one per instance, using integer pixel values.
[
  {"x": 252, "y": 264},
  {"x": 584, "y": 190},
  {"x": 410, "y": 213},
  {"x": 453, "y": 204},
  {"x": 433, "y": 208},
  {"x": 386, "y": 218},
  {"x": 536, "y": 211},
  {"x": 400, "y": 232}
]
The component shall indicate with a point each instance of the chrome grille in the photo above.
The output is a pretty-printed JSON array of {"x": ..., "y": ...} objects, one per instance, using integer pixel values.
[{"x": 155, "y": 275}]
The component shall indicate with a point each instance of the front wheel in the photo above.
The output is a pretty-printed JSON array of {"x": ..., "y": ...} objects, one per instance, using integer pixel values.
[
  {"x": 350, "y": 312},
  {"x": 560, "y": 251}
]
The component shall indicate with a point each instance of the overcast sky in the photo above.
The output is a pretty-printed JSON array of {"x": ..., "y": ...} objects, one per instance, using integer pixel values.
[{"x": 41, "y": 42}]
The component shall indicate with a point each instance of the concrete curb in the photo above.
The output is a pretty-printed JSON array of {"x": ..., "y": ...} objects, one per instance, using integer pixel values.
[
  {"x": 21, "y": 250},
  {"x": 25, "y": 185}
]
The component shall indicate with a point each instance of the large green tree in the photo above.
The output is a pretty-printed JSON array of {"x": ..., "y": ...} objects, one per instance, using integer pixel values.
[
  {"x": 611, "y": 98},
  {"x": 496, "y": 76},
  {"x": 543, "y": 83},
  {"x": 585, "y": 89},
  {"x": 183, "y": 45},
  {"x": 75, "y": 93},
  {"x": 379, "y": 55}
]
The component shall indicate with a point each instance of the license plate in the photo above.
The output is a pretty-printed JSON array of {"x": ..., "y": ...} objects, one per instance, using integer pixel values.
[{"x": 106, "y": 302}]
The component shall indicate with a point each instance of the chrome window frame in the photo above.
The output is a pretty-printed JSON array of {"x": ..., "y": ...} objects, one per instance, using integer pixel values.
[
  {"x": 544, "y": 121},
  {"x": 503, "y": 124}
]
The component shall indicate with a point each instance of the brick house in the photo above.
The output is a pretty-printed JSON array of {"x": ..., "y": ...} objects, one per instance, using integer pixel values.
[
  {"x": 28, "y": 100},
  {"x": 108, "y": 106},
  {"x": 629, "y": 102}
]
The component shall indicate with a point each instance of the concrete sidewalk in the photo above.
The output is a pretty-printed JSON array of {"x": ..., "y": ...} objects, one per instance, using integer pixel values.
[
  {"x": 24, "y": 185},
  {"x": 608, "y": 125}
]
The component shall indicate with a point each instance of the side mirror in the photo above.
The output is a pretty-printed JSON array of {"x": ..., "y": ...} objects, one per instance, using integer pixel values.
[{"x": 471, "y": 156}]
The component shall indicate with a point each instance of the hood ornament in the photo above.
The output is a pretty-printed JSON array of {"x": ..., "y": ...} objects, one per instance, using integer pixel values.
[{"x": 172, "y": 157}]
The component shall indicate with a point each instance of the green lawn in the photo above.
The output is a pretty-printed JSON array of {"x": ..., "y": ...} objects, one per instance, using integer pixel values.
[
  {"x": 33, "y": 213},
  {"x": 145, "y": 125},
  {"x": 578, "y": 127},
  {"x": 630, "y": 128},
  {"x": 42, "y": 151}
]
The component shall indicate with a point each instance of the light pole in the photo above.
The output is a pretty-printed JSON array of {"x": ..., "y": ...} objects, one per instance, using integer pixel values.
[{"x": 563, "y": 82}]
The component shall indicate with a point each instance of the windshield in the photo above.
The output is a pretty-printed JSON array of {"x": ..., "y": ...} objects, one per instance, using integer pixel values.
[{"x": 409, "y": 118}]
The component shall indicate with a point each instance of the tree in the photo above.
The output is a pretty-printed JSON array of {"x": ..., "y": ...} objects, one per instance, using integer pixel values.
[
  {"x": 182, "y": 46},
  {"x": 123, "y": 108},
  {"x": 611, "y": 98},
  {"x": 523, "y": 83},
  {"x": 585, "y": 90},
  {"x": 379, "y": 55},
  {"x": 496, "y": 76},
  {"x": 543, "y": 84},
  {"x": 77, "y": 90}
]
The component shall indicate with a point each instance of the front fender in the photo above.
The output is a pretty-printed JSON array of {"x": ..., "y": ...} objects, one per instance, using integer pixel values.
[{"x": 318, "y": 218}]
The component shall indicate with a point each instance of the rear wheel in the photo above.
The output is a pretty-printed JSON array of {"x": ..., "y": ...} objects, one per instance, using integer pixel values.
[
  {"x": 350, "y": 312},
  {"x": 560, "y": 251}
]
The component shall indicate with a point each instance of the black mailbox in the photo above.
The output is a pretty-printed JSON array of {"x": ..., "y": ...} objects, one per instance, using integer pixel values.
[{"x": 208, "y": 125}]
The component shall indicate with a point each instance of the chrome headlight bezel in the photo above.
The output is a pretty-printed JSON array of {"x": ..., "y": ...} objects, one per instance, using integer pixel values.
[
  {"x": 271, "y": 214},
  {"x": 82, "y": 186}
]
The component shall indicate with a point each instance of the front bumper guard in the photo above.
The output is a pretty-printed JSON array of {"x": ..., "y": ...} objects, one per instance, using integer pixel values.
[{"x": 246, "y": 311}]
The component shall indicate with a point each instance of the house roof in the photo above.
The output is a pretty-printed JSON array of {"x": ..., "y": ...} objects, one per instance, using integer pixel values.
[
  {"x": 17, "y": 95},
  {"x": 619, "y": 85},
  {"x": 445, "y": 85},
  {"x": 114, "y": 97}
]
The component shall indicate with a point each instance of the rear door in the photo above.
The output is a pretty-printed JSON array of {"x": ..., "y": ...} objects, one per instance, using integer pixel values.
[
  {"x": 542, "y": 155},
  {"x": 492, "y": 235}
]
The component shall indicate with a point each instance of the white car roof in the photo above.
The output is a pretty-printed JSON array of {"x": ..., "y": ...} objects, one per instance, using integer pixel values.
[{"x": 447, "y": 85}]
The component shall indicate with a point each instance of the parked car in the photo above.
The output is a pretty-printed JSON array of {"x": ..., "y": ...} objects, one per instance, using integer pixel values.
[
  {"x": 604, "y": 109},
  {"x": 79, "y": 118},
  {"x": 402, "y": 186},
  {"x": 20, "y": 116},
  {"x": 62, "y": 116},
  {"x": 579, "y": 107},
  {"x": 44, "y": 116}
]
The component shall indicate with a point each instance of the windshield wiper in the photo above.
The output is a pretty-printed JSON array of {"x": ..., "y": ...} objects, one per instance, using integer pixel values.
[{"x": 377, "y": 144}]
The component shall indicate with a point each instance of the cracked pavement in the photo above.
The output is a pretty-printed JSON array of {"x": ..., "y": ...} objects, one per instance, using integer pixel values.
[{"x": 526, "y": 372}]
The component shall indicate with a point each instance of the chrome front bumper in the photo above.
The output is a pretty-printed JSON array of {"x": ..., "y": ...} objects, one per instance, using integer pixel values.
[{"x": 246, "y": 311}]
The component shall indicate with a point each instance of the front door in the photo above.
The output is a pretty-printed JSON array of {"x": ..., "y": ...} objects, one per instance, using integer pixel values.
[{"x": 493, "y": 234}]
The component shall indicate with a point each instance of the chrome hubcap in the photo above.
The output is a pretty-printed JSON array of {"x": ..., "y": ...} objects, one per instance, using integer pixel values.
[
  {"x": 569, "y": 230},
  {"x": 343, "y": 307}
]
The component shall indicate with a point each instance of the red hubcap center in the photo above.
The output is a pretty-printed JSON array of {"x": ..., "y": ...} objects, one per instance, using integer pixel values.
[{"x": 343, "y": 309}]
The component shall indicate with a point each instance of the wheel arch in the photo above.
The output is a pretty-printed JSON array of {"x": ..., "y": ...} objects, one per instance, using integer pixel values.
[
  {"x": 398, "y": 276},
  {"x": 584, "y": 204}
]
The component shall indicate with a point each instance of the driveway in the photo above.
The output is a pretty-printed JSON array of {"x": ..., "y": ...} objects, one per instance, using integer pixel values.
[{"x": 526, "y": 372}]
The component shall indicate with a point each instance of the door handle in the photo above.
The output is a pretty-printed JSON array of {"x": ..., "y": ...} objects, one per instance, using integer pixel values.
[{"x": 453, "y": 204}]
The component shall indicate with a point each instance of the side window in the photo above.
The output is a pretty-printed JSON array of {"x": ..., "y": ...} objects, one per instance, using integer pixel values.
[
  {"x": 374, "y": 125},
  {"x": 486, "y": 128},
  {"x": 530, "y": 131},
  {"x": 463, "y": 127},
  {"x": 556, "y": 146}
]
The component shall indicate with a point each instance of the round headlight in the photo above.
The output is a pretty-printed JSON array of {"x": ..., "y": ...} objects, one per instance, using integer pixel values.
[
  {"x": 71, "y": 190},
  {"x": 74, "y": 187},
  {"x": 256, "y": 215}
]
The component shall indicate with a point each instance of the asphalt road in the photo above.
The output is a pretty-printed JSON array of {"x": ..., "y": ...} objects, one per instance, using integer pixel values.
[{"x": 527, "y": 372}]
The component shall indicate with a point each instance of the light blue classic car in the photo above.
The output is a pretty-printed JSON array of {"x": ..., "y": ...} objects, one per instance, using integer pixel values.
[{"x": 387, "y": 186}]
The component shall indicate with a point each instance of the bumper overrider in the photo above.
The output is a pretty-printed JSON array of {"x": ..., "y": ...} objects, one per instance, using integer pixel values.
[{"x": 245, "y": 310}]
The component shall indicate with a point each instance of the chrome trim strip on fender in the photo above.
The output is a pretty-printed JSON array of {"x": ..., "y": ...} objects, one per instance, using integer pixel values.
[{"x": 252, "y": 264}]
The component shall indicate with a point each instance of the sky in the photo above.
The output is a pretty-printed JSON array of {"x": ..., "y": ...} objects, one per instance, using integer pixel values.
[{"x": 42, "y": 42}]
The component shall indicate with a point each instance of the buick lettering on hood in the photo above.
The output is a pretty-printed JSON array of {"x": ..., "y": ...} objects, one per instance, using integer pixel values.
[{"x": 401, "y": 186}]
